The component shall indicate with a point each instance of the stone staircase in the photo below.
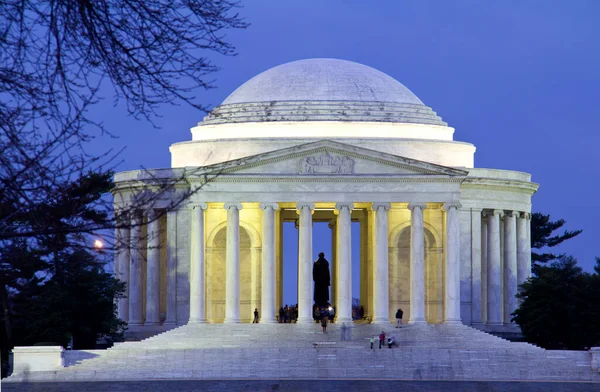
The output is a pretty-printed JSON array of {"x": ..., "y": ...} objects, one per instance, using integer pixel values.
[{"x": 281, "y": 351}]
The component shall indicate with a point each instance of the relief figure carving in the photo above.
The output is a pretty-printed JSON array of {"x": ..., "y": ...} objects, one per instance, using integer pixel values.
[{"x": 326, "y": 163}]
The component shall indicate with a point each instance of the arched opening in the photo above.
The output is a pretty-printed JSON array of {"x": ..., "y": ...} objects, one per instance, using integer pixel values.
[
  {"x": 434, "y": 277},
  {"x": 249, "y": 277}
]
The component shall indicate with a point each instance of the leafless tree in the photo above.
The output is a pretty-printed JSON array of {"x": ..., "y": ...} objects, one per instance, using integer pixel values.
[
  {"x": 56, "y": 59},
  {"x": 56, "y": 55}
]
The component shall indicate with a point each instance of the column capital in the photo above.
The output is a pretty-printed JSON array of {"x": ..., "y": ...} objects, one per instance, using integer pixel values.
[
  {"x": 152, "y": 213},
  {"x": 341, "y": 205},
  {"x": 229, "y": 206},
  {"x": 451, "y": 204},
  {"x": 202, "y": 206},
  {"x": 500, "y": 213},
  {"x": 510, "y": 213},
  {"x": 301, "y": 205},
  {"x": 524, "y": 215},
  {"x": 274, "y": 206},
  {"x": 412, "y": 206},
  {"x": 376, "y": 206}
]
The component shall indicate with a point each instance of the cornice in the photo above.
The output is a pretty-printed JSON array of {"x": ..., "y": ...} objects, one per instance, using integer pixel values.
[
  {"x": 487, "y": 183},
  {"x": 312, "y": 179}
]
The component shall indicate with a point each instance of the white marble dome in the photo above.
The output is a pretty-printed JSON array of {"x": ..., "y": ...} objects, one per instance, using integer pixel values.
[
  {"x": 322, "y": 99},
  {"x": 322, "y": 80},
  {"x": 322, "y": 90}
]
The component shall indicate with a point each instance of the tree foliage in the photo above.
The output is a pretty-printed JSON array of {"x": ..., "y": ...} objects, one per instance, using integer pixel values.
[
  {"x": 543, "y": 236},
  {"x": 52, "y": 286},
  {"x": 560, "y": 306}
]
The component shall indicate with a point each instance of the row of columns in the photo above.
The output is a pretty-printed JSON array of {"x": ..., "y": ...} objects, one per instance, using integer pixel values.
[
  {"x": 129, "y": 268},
  {"x": 517, "y": 265},
  {"x": 343, "y": 268},
  {"x": 508, "y": 269}
]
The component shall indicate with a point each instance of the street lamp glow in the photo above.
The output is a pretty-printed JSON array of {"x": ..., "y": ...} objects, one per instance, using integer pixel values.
[{"x": 98, "y": 244}]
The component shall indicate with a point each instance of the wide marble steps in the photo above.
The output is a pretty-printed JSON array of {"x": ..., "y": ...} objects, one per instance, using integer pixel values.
[{"x": 216, "y": 351}]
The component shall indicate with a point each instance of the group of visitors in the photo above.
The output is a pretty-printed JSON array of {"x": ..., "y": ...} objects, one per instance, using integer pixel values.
[
  {"x": 390, "y": 341},
  {"x": 288, "y": 314}
]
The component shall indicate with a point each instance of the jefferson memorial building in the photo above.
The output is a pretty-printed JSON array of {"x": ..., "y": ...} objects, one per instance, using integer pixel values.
[{"x": 323, "y": 140}]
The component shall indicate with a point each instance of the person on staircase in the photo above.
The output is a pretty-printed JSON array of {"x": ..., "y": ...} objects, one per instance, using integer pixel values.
[
  {"x": 324, "y": 324},
  {"x": 255, "y": 321},
  {"x": 391, "y": 341},
  {"x": 399, "y": 314},
  {"x": 381, "y": 339}
]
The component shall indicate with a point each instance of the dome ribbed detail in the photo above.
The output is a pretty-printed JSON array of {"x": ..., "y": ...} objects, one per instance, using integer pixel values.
[{"x": 322, "y": 90}]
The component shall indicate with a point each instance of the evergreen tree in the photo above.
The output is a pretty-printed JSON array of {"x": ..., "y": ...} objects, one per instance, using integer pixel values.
[
  {"x": 53, "y": 286},
  {"x": 560, "y": 306},
  {"x": 542, "y": 236}
]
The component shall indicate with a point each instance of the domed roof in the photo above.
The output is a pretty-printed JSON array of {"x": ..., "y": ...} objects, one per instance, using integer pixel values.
[
  {"x": 322, "y": 90},
  {"x": 322, "y": 80}
]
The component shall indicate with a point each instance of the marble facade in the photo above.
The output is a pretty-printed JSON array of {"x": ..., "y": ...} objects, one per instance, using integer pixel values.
[{"x": 443, "y": 240}]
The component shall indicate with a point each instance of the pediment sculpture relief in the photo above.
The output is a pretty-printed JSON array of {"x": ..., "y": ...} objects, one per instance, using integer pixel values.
[{"x": 325, "y": 163}]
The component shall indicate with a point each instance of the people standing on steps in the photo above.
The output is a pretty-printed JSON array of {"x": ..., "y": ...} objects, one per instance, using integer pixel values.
[
  {"x": 281, "y": 314},
  {"x": 372, "y": 341},
  {"x": 324, "y": 324},
  {"x": 255, "y": 321},
  {"x": 399, "y": 314},
  {"x": 343, "y": 330},
  {"x": 381, "y": 338}
]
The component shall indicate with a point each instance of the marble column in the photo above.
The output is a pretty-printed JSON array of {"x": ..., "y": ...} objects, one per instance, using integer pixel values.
[
  {"x": 267, "y": 314},
  {"x": 171, "y": 303},
  {"x": 452, "y": 286},
  {"x": 476, "y": 270},
  {"x": 232, "y": 264},
  {"x": 344, "y": 258},
  {"x": 305, "y": 262},
  {"x": 136, "y": 272},
  {"x": 153, "y": 269},
  {"x": 494, "y": 275},
  {"x": 523, "y": 248},
  {"x": 510, "y": 265},
  {"x": 381, "y": 311},
  {"x": 197, "y": 265},
  {"x": 122, "y": 264},
  {"x": 417, "y": 264},
  {"x": 333, "y": 261}
]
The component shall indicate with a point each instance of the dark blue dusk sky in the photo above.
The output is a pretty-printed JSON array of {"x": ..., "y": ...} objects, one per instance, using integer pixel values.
[{"x": 519, "y": 79}]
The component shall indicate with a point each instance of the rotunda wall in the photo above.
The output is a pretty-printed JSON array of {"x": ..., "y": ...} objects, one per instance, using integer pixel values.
[
  {"x": 321, "y": 130},
  {"x": 203, "y": 153}
]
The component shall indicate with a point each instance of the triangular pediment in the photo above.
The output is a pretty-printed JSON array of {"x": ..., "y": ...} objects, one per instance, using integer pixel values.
[{"x": 328, "y": 158}]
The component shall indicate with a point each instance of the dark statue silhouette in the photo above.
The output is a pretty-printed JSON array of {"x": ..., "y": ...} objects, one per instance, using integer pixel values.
[{"x": 322, "y": 280}]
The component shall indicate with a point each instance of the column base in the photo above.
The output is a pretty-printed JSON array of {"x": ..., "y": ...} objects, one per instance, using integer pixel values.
[
  {"x": 419, "y": 321},
  {"x": 136, "y": 323},
  {"x": 305, "y": 320},
  {"x": 197, "y": 321},
  {"x": 268, "y": 321},
  {"x": 381, "y": 320},
  {"x": 232, "y": 321},
  {"x": 453, "y": 321},
  {"x": 340, "y": 320},
  {"x": 152, "y": 323}
]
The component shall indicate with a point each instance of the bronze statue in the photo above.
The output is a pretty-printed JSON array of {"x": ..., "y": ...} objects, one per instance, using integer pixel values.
[{"x": 322, "y": 280}]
